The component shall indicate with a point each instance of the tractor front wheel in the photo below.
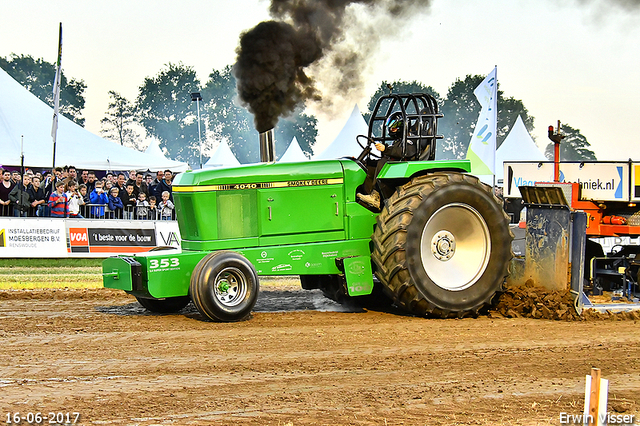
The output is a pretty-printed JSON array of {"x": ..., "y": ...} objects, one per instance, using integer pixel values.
[
  {"x": 224, "y": 286},
  {"x": 442, "y": 245}
]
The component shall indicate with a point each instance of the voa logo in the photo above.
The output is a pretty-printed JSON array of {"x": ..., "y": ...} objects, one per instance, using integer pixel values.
[{"x": 78, "y": 236}]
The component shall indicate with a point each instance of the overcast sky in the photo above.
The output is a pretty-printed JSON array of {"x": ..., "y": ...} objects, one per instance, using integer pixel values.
[{"x": 577, "y": 61}]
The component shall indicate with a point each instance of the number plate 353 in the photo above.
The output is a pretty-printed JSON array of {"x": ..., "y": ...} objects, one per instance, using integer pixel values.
[{"x": 165, "y": 263}]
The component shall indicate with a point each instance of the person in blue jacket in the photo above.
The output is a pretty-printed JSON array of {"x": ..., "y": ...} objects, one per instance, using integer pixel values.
[
  {"x": 98, "y": 196},
  {"x": 115, "y": 204}
]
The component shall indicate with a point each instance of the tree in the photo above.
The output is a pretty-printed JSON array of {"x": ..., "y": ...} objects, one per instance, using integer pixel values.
[
  {"x": 399, "y": 87},
  {"x": 117, "y": 125},
  {"x": 461, "y": 110},
  {"x": 165, "y": 110},
  {"x": 574, "y": 146},
  {"x": 300, "y": 125},
  {"x": 228, "y": 120},
  {"x": 37, "y": 76}
]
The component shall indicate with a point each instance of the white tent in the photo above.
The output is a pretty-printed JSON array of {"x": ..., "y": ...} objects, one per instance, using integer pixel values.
[
  {"x": 154, "y": 149},
  {"x": 24, "y": 117},
  {"x": 155, "y": 152},
  {"x": 517, "y": 146},
  {"x": 222, "y": 157},
  {"x": 345, "y": 145},
  {"x": 294, "y": 153}
]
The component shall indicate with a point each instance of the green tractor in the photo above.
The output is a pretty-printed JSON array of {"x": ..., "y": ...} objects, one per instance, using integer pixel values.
[{"x": 440, "y": 245}]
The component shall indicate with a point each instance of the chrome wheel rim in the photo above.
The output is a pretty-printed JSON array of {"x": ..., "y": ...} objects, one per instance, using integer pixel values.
[
  {"x": 230, "y": 286},
  {"x": 455, "y": 247}
]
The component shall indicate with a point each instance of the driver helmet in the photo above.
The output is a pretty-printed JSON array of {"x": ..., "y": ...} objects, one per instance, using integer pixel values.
[{"x": 395, "y": 125}]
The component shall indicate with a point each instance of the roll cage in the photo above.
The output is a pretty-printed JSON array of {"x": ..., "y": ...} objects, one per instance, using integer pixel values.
[{"x": 420, "y": 114}]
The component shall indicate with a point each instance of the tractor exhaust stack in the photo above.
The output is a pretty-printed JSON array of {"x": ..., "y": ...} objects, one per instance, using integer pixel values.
[{"x": 267, "y": 147}]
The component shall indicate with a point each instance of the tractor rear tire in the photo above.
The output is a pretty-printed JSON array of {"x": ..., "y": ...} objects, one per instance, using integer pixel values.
[
  {"x": 442, "y": 245},
  {"x": 168, "y": 305},
  {"x": 224, "y": 286}
]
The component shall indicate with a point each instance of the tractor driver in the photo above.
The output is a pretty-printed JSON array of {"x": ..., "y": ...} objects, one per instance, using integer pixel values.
[{"x": 395, "y": 127}]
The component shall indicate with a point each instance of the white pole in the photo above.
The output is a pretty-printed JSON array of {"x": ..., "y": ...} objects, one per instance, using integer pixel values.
[
  {"x": 56, "y": 101},
  {"x": 495, "y": 130},
  {"x": 22, "y": 155}
]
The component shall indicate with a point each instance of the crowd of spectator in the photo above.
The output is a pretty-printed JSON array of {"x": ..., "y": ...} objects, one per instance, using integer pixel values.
[{"x": 138, "y": 196}]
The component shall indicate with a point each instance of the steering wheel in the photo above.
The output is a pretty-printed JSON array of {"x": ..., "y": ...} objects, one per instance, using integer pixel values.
[{"x": 367, "y": 149}]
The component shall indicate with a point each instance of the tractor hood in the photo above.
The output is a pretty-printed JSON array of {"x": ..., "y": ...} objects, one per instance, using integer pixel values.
[
  {"x": 263, "y": 175},
  {"x": 265, "y": 204}
]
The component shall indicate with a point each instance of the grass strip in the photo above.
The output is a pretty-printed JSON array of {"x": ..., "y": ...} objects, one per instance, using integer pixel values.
[
  {"x": 23, "y": 274},
  {"x": 50, "y": 263},
  {"x": 51, "y": 277},
  {"x": 47, "y": 284},
  {"x": 5, "y": 272}
]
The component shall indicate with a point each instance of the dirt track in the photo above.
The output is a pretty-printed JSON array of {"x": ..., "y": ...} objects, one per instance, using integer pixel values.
[{"x": 98, "y": 353}]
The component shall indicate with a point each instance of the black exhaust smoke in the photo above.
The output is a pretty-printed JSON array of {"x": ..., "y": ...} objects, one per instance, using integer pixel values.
[
  {"x": 274, "y": 58},
  {"x": 270, "y": 71}
]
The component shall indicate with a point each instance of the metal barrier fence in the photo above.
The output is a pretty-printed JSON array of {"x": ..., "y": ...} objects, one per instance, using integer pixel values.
[{"x": 96, "y": 211}]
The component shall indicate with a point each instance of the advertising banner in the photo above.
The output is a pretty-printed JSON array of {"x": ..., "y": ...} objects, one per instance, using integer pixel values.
[
  {"x": 36, "y": 237},
  {"x": 26, "y": 237},
  {"x": 605, "y": 181},
  {"x": 109, "y": 240},
  {"x": 103, "y": 238},
  {"x": 599, "y": 181}
]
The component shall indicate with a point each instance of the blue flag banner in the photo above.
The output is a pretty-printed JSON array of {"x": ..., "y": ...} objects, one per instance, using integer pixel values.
[{"x": 482, "y": 149}]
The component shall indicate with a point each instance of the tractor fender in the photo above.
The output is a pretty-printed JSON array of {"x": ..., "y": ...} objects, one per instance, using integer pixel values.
[{"x": 409, "y": 169}]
